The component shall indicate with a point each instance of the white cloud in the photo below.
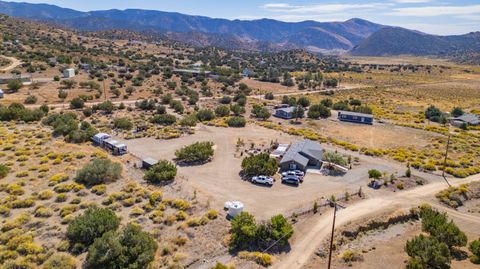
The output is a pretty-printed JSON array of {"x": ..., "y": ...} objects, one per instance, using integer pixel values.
[
  {"x": 412, "y": 1},
  {"x": 322, "y": 8},
  {"x": 432, "y": 11}
]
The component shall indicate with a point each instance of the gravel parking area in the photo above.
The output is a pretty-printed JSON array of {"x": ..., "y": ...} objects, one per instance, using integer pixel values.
[{"x": 221, "y": 180}]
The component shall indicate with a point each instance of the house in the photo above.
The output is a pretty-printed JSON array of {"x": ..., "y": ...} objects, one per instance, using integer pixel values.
[
  {"x": 69, "y": 73},
  {"x": 99, "y": 138},
  {"x": 24, "y": 78},
  {"x": 285, "y": 112},
  {"x": 193, "y": 72},
  {"x": 467, "y": 118},
  {"x": 1, "y": 94},
  {"x": 148, "y": 162},
  {"x": 248, "y": 73},
  {"x": 301, "y": 155},
  {"x": 355, "y": 117}
]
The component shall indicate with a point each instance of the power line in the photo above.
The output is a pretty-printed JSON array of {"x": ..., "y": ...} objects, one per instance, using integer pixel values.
[{"x": 333, "y": 230}]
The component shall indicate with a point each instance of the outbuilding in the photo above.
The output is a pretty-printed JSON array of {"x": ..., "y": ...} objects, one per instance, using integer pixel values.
[
  {"x": 302, "y": 154},
  {"x": 1, "y": 94},
  {"x": 285, "y": 112},
  {"x": 355, "y": 117},
  {"x": 148, "y": 162},
  {"x": 69, "y": 73}
]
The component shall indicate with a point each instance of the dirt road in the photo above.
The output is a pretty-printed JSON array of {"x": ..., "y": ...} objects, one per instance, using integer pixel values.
[
  {"x": 304, "y": 247},
  {"x": 14, "y": 63}
]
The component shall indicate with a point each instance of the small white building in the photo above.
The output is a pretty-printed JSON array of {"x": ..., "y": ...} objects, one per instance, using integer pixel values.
[
  {"x": 1, "y": 94},
  {"x": 69, "y": 73}
]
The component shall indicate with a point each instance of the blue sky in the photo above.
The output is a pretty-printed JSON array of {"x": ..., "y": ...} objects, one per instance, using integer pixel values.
[{"x": 431, "y": 16}]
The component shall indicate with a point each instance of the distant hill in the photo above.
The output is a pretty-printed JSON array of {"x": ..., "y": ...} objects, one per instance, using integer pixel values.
[
  {"x": 264, "y": 33},
  {"x": 398, "y": 41},
  {"x": 356, "y": 36}
]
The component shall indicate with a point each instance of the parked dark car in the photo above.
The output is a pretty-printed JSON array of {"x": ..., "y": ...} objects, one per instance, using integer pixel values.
[{"x": 294, "y": 180}]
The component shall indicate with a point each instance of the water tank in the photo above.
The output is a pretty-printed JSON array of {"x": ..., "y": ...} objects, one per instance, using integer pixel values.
[{"x": 235, "y": 208}]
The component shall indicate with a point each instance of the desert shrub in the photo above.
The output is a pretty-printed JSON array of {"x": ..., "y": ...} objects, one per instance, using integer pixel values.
[
  {"x": 77, "y": 103},
  {"x": 335, "y": 158},
  {"x": 99, "y": 171},
  {"x": 236, "y": 122},
  {"x": 132, "y": 248},
  {"x": 161, "y": 172},
  {"x": 205, "y": 115},
  {"x": 243, "y": 229},
  {"x": 263, "y": 259},
  {"x": 122, "y": 123},
  {"x": 60, "y": 261},
  {"x": 198, "y": 152},
  {"x": 164, "y": 119},
  {"x": 83, "y": 230},
  {"x": 189, "y": 120},
  {"x": 43, "y": 212},
  {"x": 212, "y": 214},
  {"x": 222, "y": 111},
  {"x": 99, "y": 189},
  {"x": 474, "y": 247},
  {"x": 4, "y": 170},
  {"x": 31, "y": 99},
  {"x": 260, "y": 164},
  {"x": 373, "y": 173}
]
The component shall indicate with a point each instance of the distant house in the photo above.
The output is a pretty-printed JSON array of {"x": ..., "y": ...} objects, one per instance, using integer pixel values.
[
  {"x": 467, "y": 118},
  {"x": 285, "y": 112},
  {"x": 193, "y": 72},
  {"x": 1, "y": 94},
  {"x": 25, "y": 78},
  {"x": 69, "y": 73},
  {"x": 248, "y": 73},
  {"x": 301, "y": 155},
  {"x": 355, "y": 117}
]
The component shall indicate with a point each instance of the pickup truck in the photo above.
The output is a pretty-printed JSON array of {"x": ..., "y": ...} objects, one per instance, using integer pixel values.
[{"x": 263, "y": 180}]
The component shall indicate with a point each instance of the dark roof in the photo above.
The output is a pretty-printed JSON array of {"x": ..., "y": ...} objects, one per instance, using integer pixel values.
[
  {"x": 470, "y": 118},
  {"x": 299, "y": 152},
  {"x": 355, "y": 114}
]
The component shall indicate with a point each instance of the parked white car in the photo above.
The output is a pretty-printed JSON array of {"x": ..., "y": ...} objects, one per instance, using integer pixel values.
[{"x": 263, "y": 180}]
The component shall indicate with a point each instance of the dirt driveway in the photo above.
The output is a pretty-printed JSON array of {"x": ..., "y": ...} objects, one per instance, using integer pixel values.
[{"x": 220, "y": 178}]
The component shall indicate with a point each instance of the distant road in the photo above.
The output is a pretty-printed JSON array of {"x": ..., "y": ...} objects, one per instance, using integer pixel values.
[{"x": 14, "y": 62}]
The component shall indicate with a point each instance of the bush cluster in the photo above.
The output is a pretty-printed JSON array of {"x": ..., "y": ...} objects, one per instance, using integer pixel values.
[
  {"x": 198, "y": 152},
  {"x": 99, "y": 171},
  {"x": 260, "y": 164},
  {"x": 163, "y": 171}
]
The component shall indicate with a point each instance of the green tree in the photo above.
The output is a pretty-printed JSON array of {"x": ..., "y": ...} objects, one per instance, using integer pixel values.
[
  {"x": 427, "y": 252},
  {"x": 222, "y": 111},
  {"x": 457, "y": 112},
  {"x": 244, "y": 230},
  {"x": 474, "y": 247},
  {"x": 434, "y": 114},
  {"x": 327, "y": 102},
  {"x": 260, "y": 112},
  {"x": 303, "y": 101},
  {"x": 374, "y": 173},
  {"x": 319, "y": 111},
  {"x": 281, "y": 230},
  {"x": 99, "y": 171},
  {"x": 163, "y": 171},
  {"x": 92, "y": 224},
  {"x": 14, "y": 85},
  {"x": 132, "y": 248},
  {"x": 164, "y": 119},
  {"x": 260, "y": 164},
  {"x": 438, "y": 226},
  {"x": 77, "y": 103},
  {"x": 198, "y": 152},
  {"x": 205, "y": 115},
  {"x": 333, "y": 157},
  {"x": 236, "y": 122}
]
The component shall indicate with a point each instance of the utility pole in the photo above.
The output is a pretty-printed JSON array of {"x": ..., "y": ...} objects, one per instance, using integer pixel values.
[
  {"x": 333, "y": 231},
  {"x": 445, "y": 160},
  {"x": 104, "y": 89}
]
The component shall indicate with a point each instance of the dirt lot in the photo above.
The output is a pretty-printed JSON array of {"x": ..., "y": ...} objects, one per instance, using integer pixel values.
[{"x": 220, "y": 178}]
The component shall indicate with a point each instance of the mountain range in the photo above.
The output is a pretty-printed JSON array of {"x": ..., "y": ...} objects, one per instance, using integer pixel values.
[{"x": 355, "y": 36}]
